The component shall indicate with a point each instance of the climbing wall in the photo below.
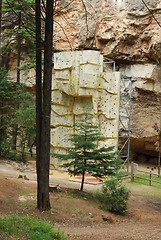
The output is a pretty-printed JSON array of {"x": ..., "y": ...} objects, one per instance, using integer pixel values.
[{"x": 79, "y": 86}]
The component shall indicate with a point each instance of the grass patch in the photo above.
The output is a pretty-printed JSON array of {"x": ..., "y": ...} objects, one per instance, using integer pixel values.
[
  {"x": 59, "y": 207},
  {"x": 27, "y": 191},
  {"x": 141, "y": 186},
  {"x": 18, "y": 227},
  {"x": 146, "y": 180},
  {"x": 77, "y": 194},
  {"x": 144, "y": 190},
  {"x": 29, "y": 203}
]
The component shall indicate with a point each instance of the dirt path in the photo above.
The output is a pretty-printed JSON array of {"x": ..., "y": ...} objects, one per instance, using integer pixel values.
[
  {"x": 14, "y": 170},
  {"x": 79, "y": 218},
  {"x": 142, "y": 222}
]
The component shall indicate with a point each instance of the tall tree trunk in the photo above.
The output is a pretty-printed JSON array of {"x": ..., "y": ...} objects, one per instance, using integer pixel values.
[
  {"x": 15, "y": 127},
  {"x": 159, "y": 153},
  {"x": 38, "y": 97},
  {"x": 0, "y": 21},
  {"x": 1, "y": 116},
  {"x": 44, "y": 161},
  {"x": 2, "y": 130},
  {"x": 18, "y": 49}
]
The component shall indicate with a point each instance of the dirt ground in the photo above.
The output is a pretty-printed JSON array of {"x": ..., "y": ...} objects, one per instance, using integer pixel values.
[{"x": 79, "y": 217}]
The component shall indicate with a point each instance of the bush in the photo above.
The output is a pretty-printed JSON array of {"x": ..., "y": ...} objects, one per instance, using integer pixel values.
[{"x": 113, "y": 196}]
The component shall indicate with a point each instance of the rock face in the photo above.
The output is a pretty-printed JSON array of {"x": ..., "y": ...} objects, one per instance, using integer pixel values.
[
  {"x": 121, "y": 29},
  {"x": 128, "y": 33}
]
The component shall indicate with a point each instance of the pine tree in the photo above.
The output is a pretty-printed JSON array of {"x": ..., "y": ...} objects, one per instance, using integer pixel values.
[
  {"x": 19, "y": 21},
  {"x": 85, "y": 155},
  {"x": 20, "y": 26}
]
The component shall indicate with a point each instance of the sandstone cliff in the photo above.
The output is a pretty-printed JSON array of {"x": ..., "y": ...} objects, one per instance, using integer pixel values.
[{"x": 126, "y": 32}]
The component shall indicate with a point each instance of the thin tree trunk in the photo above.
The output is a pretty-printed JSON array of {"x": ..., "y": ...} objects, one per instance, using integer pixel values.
[
  {"x": 38, "y": 97},
  {"x": 83, "y": 171},
  {"x": 0, "y": 21},
  {"x": 2, "y": 130},
  {"x": 159, "y": 154},
  {"x": 18, "y": 50},
  {"x": 44, "y": 161},
  {"x": 83, "y": 175},
  {"x": 15, "y": 127}
]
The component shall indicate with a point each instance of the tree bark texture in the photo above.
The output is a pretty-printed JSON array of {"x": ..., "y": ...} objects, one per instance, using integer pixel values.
[
  {"x": 0, "y": 21},
  {"x": 83, "y": 171},
  {"x": 15, "y": 127},
  {"x": 159, "y": 154},
  {"x": 43, "y": 106},
  {"x": 83, "y": 175},
  {"x": 38, "y": 98},
  {"x": 2, "y": 130}
]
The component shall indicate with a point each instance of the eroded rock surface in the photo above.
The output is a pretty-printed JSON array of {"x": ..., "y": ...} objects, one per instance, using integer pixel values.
[
  {"x": 122, "y": 30},
  {"x": 126, "y": 32}
]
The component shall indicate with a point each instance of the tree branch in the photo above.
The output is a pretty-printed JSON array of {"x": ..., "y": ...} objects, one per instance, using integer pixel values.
[
  {"x": 151, "y": 13},
  {"x": 64, "y": 34},
  {"x": 85, "y": 15},
  {"x": 26, "y": 28}
]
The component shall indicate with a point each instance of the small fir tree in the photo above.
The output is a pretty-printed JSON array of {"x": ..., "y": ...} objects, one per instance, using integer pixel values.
[{"x": 85, "y": 156}]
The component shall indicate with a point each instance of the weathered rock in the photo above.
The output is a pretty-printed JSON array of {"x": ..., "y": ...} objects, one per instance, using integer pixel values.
[
  {"x": 126, "y": 32},
  {"x": 123, "y": 30}
]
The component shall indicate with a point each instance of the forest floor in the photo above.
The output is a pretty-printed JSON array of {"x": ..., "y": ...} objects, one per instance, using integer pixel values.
[{"x": 79, "y": 216}]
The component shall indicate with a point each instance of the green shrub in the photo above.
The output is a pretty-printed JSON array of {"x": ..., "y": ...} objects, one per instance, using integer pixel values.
[
  {"x": 5, "y": 150},
  {"x": 113, "y": 196}
]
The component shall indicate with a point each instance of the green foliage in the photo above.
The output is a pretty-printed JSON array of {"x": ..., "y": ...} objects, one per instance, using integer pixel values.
[
  {"x": 113, "y": 196},
  {"x": 27, "y": 66},
  {"x": 6, "y": 110},
  {"x": 25, "y": 118},
  {"x": 18, "y": 227},
  {"x": 76, "y": 194},
  {"x": 18, "y": 22},
  {"x": 11, "y": 10},
  {"x": 143, "y": 179},
  {"x": 85, "y": 156},
  {"x": 6, "y": 95},
  {"x": 5, "y": 149}
]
